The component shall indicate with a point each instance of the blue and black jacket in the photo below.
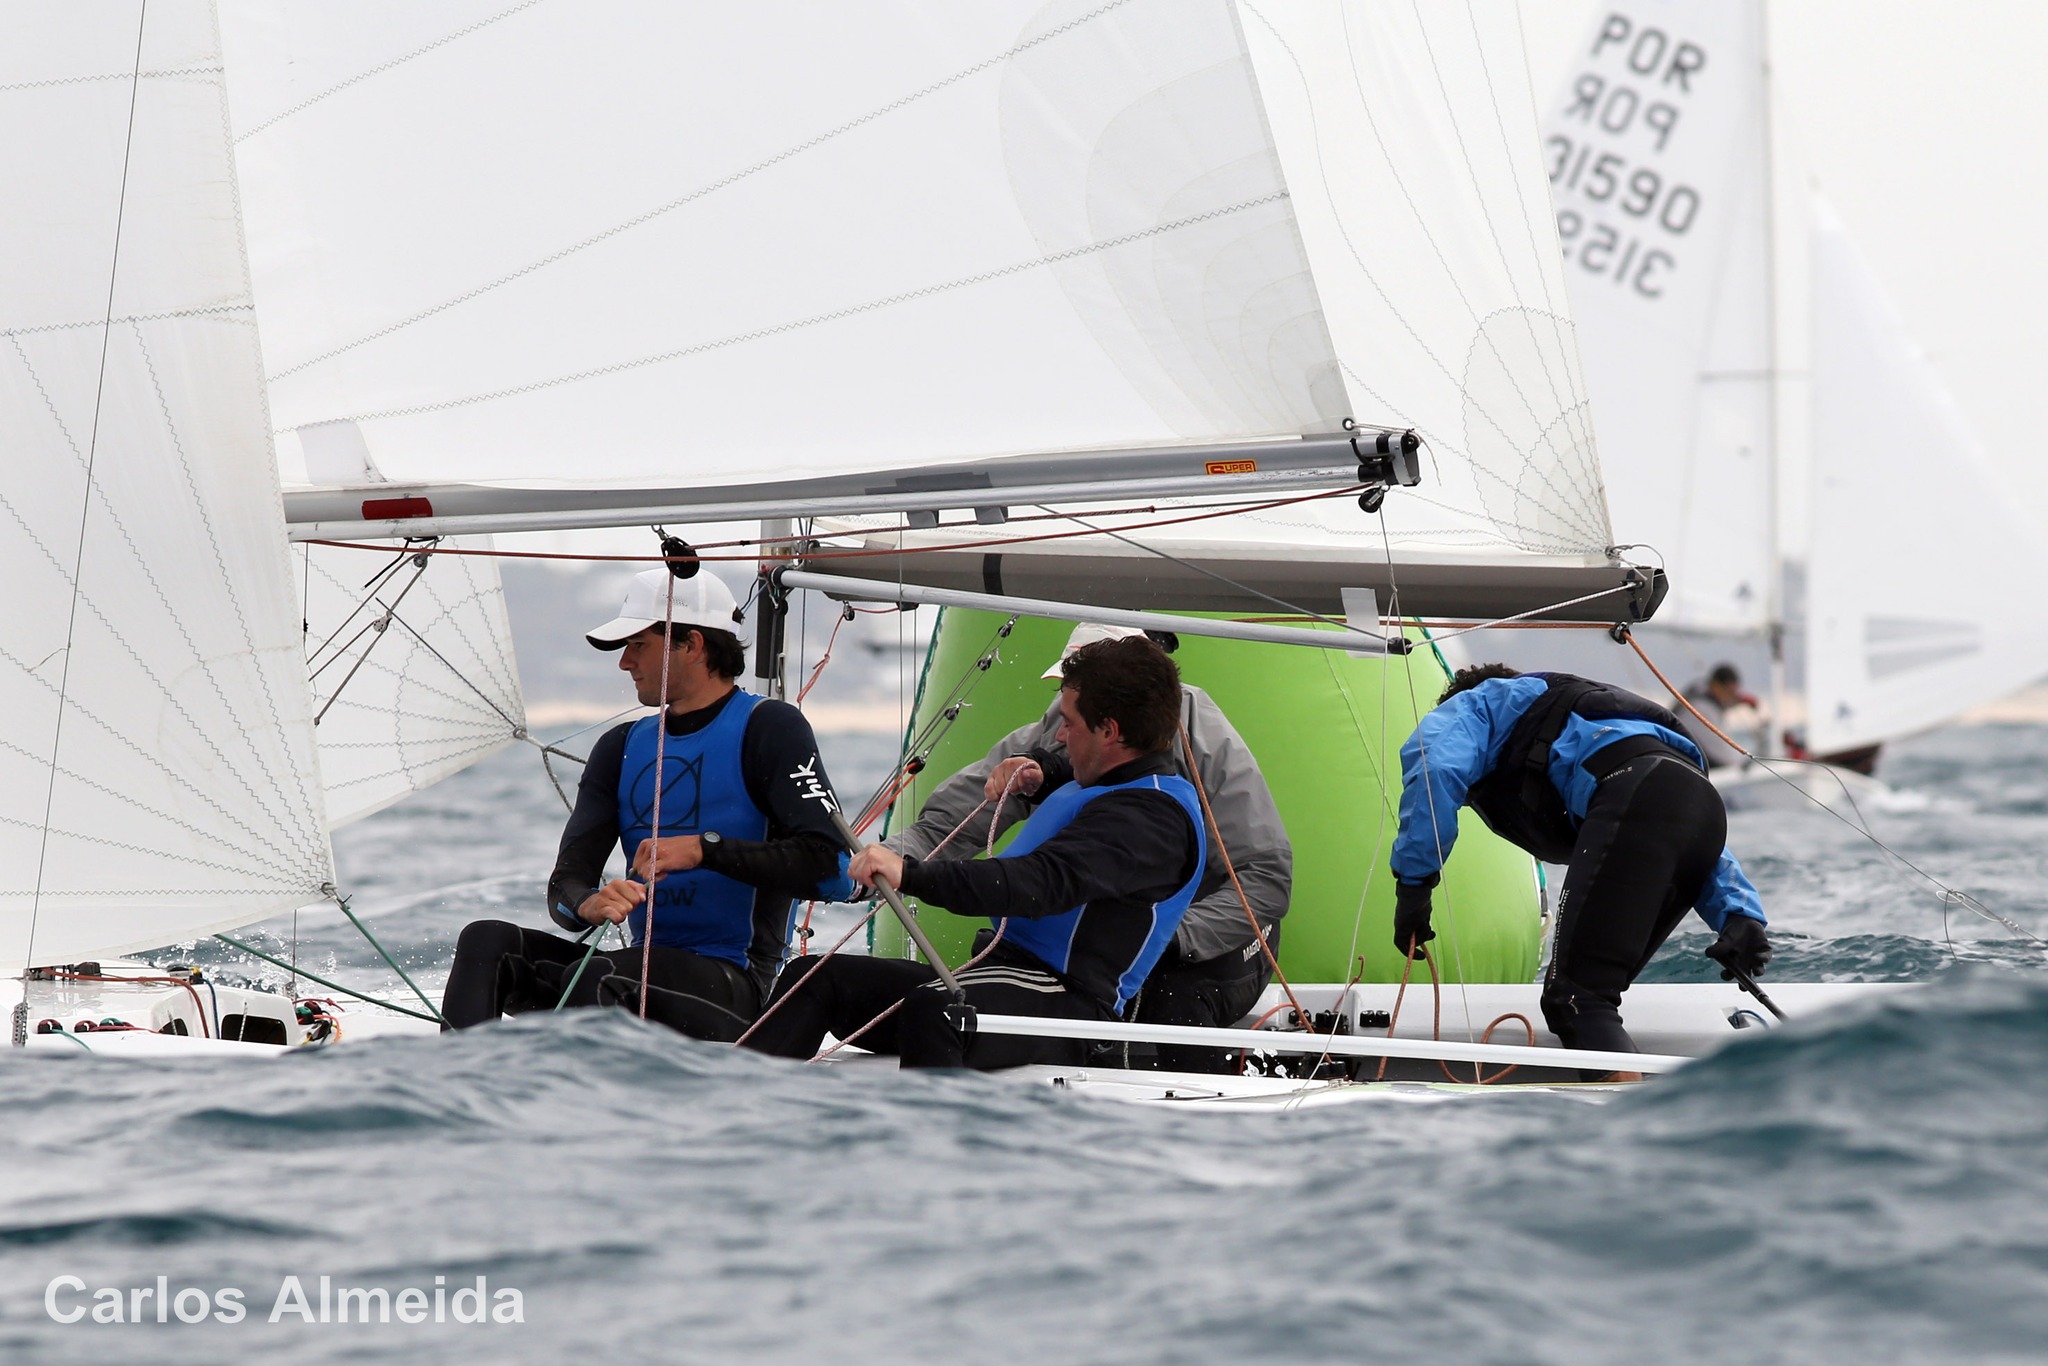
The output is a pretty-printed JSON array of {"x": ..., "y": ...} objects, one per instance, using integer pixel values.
[
  {"x": 1514, "y": 749},
  {"x": 1094, "y": 894},
  {"x": 745, "y": 766}
]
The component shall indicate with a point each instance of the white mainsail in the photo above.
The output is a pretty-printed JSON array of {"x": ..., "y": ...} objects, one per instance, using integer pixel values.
[
  {"x": 158, "y": 775},
  {"x": 1924, "y": 585},
  {"x": 412, "y": 670},
  {"x": 1010, "y": 230},
  {"x": 739, "y": 251}
]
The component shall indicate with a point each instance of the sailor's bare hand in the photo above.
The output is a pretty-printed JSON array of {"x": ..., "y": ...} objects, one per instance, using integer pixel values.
[
  {"x": 876, "y": 864},
  {"x": 611, "y": 902},
  {"x": 1020, "y": 775},
  {"x": 676, "y": 853}
]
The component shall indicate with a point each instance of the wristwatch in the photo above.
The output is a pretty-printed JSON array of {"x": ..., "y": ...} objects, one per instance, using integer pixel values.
[{"x": 712, "y": 842}]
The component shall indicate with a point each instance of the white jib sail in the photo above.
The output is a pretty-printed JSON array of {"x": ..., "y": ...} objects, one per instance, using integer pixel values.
[
  {"x": 158, "y": 776},
  {"x": 1656, "y": 153},
  {"x": 412, "y": 669},
  {"x": 1924, "y": 584}
]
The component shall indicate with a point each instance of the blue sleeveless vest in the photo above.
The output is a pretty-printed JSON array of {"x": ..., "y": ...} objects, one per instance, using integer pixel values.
[
  {"x": 1052, "y": 937},
  {"x": 702, "y": 789}
]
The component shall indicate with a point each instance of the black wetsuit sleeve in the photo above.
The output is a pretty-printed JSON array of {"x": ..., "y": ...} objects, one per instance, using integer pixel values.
[
  {"x": 1058, "y": 768},
  {"x": 785, "y": 777},
  {"x": 1125, "y": 844},
  {"x": 592, "y": 832}
]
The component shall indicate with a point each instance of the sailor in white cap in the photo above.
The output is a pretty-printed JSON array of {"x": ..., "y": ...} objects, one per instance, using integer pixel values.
[
  {"x": 1214, "y": 970},
  {"x": 744, "y": 831}
]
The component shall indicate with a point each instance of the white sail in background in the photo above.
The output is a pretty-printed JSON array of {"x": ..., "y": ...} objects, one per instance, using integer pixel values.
[
  {"x": 1660, "y": 157},
  {"x": 1924, "y": 587},
  {"x": 1656, "y": 152},
  {"x": 412, "y": 670},
  {"x": 158, "y": 776},
  {"x": 1017, "y": 227}
]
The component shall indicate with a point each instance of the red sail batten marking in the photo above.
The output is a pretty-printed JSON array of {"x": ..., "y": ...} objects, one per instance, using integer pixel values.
[{"x": 391, "y": 509}]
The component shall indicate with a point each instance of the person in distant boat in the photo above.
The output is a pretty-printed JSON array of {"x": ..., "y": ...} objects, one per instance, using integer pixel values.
[
  {"x": 1593, "y": 777},
  {"x": 1085, "y": 899},
  {"x": 1737, "y": 713},
  {"x": 745, "y": 828},
  {"x": 1214, "y": 970}
]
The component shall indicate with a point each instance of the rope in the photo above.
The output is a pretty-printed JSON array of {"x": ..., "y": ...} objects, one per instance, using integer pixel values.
[
  {"x": 995, "y": 825},
  {"x": 668, "y": 626},
  {"x": 595, "y": 934},
  {"x": 1258, "y": 930},
  {"x": 255, "y": 952},
  {"x": 198, "y": 1007},
  {"x": 987, "y": 949},
  {"x": 364, "y": 930},
  {"x": 1949, "y": 895}
]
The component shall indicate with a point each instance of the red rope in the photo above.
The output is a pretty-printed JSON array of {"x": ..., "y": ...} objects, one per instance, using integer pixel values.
[{"x": 190, "y": 990}]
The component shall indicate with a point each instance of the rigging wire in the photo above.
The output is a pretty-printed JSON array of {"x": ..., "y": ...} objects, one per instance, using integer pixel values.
[
  {"x": 1216, "y": 829},
  {"x": 808, "y": 554},
  {"x": 874, "y": 908},
  {"x": 1949, "y": 895},
  {"x": 668, "y": 628},
  {"x": 84, "y": 515}
]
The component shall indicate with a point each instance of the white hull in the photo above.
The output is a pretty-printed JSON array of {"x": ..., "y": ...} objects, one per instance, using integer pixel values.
[
  {"x": 1672, "y": 1019},
  {"x": 1788, "y": 786},
  {"x": 173, "y": 1014}
]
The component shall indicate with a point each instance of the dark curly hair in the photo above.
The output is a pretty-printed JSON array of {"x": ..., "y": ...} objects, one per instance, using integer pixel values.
[
  {"x": 1472, "y": 677},
  {"x": 1129, "y": 681},
  {"x": 723, "y": 653}
]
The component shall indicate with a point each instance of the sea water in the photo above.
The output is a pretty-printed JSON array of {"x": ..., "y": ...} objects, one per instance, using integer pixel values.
[{"x": 1866, "y": 1185}]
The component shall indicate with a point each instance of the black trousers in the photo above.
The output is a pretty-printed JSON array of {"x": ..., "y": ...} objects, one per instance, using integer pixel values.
[
  {"x": 838, "y": 995},
  {"x": 506, "y": 969},
  {"x": 1652, "y": 835},
  {"x": 1218, "y": 992}
]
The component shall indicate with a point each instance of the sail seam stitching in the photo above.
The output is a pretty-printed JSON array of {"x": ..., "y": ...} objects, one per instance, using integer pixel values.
[
  {"x": 380, "y": 69},
  {"x": 837, "y": 315},
  {"x": 725, "y": 182}
]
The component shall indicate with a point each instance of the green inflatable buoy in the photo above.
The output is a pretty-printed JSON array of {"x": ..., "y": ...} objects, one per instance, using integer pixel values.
[{"x": 1327, "y": 729}]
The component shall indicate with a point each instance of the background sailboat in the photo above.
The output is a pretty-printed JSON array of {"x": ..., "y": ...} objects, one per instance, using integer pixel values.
[{"x": 1736, "y": 346}]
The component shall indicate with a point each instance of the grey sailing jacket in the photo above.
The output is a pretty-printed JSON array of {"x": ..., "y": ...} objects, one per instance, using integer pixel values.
[{"x": 1245, "y": 814}]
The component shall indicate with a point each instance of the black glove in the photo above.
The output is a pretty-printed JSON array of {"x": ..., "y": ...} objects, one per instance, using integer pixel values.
[
  {"x": 1411, "y": 917},
  {"x": 1743, "y": 947}
]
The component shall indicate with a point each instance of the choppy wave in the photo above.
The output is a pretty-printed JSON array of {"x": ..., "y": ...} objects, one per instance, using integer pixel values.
[{"x": 1865, "y": 1185}]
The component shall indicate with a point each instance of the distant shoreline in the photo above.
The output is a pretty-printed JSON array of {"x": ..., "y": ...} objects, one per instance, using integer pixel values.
[
  {"x": 2028, "y": 706},
  {"x": 830, "y": 718}
]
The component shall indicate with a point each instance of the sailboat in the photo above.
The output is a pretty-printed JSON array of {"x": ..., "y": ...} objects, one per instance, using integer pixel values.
[
  {"x": 191, "y": 707},
  {"x": 1735, "y": 342},
  {"x": 1049, "y": 310}
]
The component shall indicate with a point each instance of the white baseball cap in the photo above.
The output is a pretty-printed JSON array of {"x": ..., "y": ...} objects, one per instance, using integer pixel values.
[
  {"x": 700, "y": 601},
  {"x": 1087, "y": 633}
]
